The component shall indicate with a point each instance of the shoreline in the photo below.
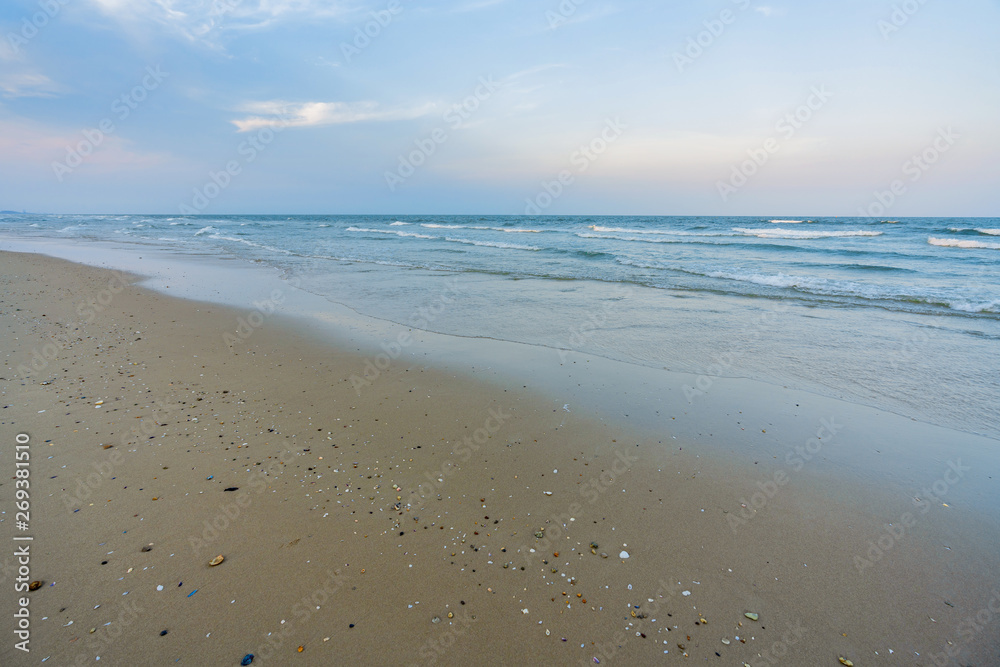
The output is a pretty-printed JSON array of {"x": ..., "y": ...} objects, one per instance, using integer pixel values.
[{"x": 789, "y": 558}]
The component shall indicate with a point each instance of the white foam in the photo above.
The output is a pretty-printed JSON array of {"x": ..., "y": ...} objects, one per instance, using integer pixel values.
[
  {"x": 507, "y": 230},
  {"x": 390, "y": 231},
  {"x": 779, "y": 233},
  {"x": 988, "y": 232},
  {"x": 785, "y": 222},
  {"x": 398, "y": 223},
  {"x": 585, "y": 235},
  {"x": 251, "y": 243},
  {"x": 490, "y": 244},
  {"x": 965, "y": 306},
  {"x": 205, "y": 230},
  {"x": 962, "y": 243},
  {"x": 626, "y": 230}
]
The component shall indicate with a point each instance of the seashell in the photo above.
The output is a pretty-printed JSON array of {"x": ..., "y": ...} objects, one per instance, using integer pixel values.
[
  {"x": 34, "y": 585},
  {"x": 218, "y": 559}
]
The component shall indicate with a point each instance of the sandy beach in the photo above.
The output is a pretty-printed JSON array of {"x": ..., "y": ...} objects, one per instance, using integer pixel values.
[{"x": 434, "y": 518}]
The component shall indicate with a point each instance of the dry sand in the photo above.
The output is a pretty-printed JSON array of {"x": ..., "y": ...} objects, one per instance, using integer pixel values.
[{"x": 358, "y": 520}]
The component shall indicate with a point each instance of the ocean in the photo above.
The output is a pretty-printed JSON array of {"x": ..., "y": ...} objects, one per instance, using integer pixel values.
[{"x": 903, "y": 315}]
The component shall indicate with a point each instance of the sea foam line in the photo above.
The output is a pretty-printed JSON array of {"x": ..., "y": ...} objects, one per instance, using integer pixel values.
[
  {"x": 779, "y": 233},
  {"x": 961, "y": 243}
]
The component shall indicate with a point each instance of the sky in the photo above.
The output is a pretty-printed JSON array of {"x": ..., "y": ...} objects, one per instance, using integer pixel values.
[{"x": 547, "y": 107}]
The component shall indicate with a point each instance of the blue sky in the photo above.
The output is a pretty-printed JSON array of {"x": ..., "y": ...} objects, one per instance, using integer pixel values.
[{"x": 311, "y": 118}]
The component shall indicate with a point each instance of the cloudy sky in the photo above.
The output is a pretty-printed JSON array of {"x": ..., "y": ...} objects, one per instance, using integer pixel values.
[{"x": 654, "y": 107}]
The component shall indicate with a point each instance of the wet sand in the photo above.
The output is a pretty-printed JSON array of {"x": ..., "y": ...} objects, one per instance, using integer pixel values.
[{"x": 360, "y": 513}]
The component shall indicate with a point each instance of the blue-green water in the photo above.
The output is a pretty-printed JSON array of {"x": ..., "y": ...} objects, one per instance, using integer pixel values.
[{"x": 903, "y": 315}]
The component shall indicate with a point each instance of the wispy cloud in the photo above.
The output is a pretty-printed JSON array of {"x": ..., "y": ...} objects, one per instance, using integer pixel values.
[
  {"x": 313, "y": 114},
  {"x": 25, "y": 142},
  {"x": 766, "y": 10},
  {"x": 27, "y": 84},
  {"x": 202, "y": 20},
  {"x": 476, "y": 5}
]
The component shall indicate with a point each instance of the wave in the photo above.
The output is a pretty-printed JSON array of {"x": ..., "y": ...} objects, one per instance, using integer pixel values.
[
  {"x": 390, "y": 231},
  {"x": 786, "y": 222},
  {"x": 965, "y": 306},
  {"x": 398, "y": 224},
  {"x": 251, "y": 243},
  {"x": 985, "y": 232},
  {"x": 779, "y": 233},
  {"x": 585, "y": 235},
  {"x": 491, "y": 244},
  {"x": 959, "y": 243},
  {"x": 824, "y": 286},
  {"x": 205, "y": 230},
  {"x": 506, "y": 230}
]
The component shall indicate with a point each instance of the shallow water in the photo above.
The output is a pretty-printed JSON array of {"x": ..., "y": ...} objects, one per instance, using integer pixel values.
[{"x": 904, "y": 316}]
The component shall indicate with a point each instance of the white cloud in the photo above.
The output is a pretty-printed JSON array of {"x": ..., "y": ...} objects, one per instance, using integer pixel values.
[
  {"x": 476, "y": 5},
  {"x": 27, "y": 84},
  {"x": 766, "y": 10},
  {"x": 312, "y": 114},
  {"x": 203, "y": 20}
]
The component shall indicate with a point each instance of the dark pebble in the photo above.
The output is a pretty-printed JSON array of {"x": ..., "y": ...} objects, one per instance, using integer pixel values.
[
  {"x": 233, "y": 488},
  {"x": 163, "y": 632},
  {"x": 247, "y": 659}
]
